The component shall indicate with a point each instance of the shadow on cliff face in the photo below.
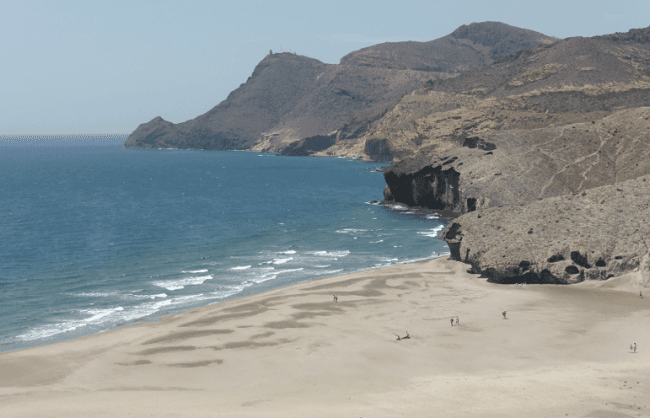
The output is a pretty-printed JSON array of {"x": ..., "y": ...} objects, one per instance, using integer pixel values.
[{"x": 432, "y": 186}]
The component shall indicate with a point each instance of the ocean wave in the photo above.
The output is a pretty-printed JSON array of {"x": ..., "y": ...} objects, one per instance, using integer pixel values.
[
  {"x": 329, "y": 272},
  {"x": 241, "y": 268},
  {"x": 434, "y": 232},
  {"x": 272, "y": 275},
  {"x": 330, "y": 254},
  {"x": 398, "y": 207},
  {"x": 94, "y": 294},
  {"x": 287, "y": 252},
  {"x": 195, "y": 271},
  {"x": 282, "y": 260},
  {"x": 181, "y": 283},
  {"x": 140, "y": 297},
  {"x": 350, "y": 231},
  {"x": 376, "y": 242}
]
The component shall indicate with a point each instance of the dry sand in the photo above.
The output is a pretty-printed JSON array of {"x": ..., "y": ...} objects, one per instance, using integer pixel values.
[{"x": 293, "y": 352}]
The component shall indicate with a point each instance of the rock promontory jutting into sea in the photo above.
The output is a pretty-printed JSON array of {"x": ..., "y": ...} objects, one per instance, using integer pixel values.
[{"x": 513, "y": 130}]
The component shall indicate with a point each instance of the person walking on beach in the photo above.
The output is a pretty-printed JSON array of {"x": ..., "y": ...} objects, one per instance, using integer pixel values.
[
  {"x": 457, "y": 321},
  {"x": 452, "y": 321},
  {"x": 640, "y": 294},
  {"x": 634, "y": 347},
  {"x": 336, "y": 299},
  {"x": 504, "y": 315}
]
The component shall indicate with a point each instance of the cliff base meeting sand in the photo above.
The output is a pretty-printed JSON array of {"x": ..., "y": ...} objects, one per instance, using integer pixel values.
[{"x": 294, "y": 352}]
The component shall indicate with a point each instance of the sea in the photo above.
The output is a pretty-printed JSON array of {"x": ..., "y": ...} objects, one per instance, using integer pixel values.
[{"x": 95, "y": 237}]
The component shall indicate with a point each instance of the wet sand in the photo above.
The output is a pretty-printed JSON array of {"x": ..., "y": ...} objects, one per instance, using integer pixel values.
[{"x": 562, "y": 351}]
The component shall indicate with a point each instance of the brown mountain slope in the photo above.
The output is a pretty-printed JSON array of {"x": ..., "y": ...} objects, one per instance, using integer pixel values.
[
  {"x": 574, "y": 80},
  {"x": 287, "y": 98},
  {"x": 290, "y": 97},
  {"x": 469, "y": 46}
]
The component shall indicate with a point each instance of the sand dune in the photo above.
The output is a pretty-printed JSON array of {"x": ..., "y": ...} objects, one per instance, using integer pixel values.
[{"x": 563, "y": 351}]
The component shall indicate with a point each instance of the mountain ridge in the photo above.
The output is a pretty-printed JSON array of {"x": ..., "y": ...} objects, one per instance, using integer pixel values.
[{"x": 289, "y": 97}]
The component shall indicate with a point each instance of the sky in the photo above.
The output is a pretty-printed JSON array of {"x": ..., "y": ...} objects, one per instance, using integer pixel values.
[{"x": 81, "y": 67}]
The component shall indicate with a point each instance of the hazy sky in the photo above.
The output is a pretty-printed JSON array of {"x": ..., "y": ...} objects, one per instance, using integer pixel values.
[{"x": 73, "y": 67}]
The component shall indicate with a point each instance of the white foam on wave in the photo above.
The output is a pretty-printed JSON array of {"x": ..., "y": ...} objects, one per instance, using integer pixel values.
[
  {"x": 272, "y": 275},
  {"x": 241, "y": 268},
  {"x": 140, "y": 297},
  {"x": 432, "y": 217},
  {"x": 322, "y": 267},
  {"x": 376, "y": 242},
  {"x": 102, "y": 319},
  {"x": 282, "y": 260},
  {"x": 195, "y": 271},
  {"x": 350, "y": 231},
  {"x": 181, "y": 283},
  {"x": 434, "y": 232},
  {"x": 94, "y": 294},
  {"x": 49, "y": 330},
  {"x": 330, "y": 254},
  {"x": 287, "y": 252}
]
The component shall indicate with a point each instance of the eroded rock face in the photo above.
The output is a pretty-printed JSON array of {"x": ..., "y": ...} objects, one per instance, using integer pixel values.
[
  {"x": 309, "y": 146},
  {"x": 519, "y": 167},
  {"x": 593, "y": 235},
  {"x": 424, "y": 182}
]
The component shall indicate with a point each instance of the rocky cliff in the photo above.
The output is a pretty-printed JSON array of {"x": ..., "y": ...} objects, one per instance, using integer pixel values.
[
  {"x": 593, "y": 235},
  {"x": 544, "y": 154},
  {"x": 521, "y": 166}
]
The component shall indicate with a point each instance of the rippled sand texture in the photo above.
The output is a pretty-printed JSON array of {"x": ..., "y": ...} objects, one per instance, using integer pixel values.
[{"x": 562, "y": 351}]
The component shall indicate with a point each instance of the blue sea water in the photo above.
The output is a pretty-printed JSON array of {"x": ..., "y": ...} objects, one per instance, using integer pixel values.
[{"x": 96, "y": 237}]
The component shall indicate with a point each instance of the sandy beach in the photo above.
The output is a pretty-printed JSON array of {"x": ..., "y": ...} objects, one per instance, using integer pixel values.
[{"x": 294, "y": 352}]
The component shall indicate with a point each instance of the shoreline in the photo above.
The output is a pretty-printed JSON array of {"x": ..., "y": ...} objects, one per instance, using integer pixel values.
[
  {"x": 293, "y": 350},
  {"x": 158, "y": 316}
]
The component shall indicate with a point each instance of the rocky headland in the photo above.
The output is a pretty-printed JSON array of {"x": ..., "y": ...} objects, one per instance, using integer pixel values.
[
  {"x": 291, "y": 98},
  {"x": 524, "y": 149}
]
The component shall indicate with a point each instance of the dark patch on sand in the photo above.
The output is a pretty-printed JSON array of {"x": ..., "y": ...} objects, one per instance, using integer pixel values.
[
  {"x": 286, "y": 324},
  {"x": 252, "y": 403},
  {"x": 135, "y": 363},
  {"x": 319, "y": 306},
  {"x": 211, "y": 320},
  {"x": 309, "y": 315},
  {"x": 186, "y": 335},
  {"x": 159, "y": 350},
  {"x": 607, "y": 414},
  {"x": 247, "y": 344},
  {"x": 342, "y": 283},
  {"x": 196, "y": 363},
  {"x": 263, "y": 335}
]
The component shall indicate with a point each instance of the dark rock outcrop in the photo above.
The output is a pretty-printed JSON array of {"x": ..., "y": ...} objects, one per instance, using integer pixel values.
[
  {"x": 308, "y": 146},
  {"x": 600, "y": 233},
  {"x": 423, "y": 182}
]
